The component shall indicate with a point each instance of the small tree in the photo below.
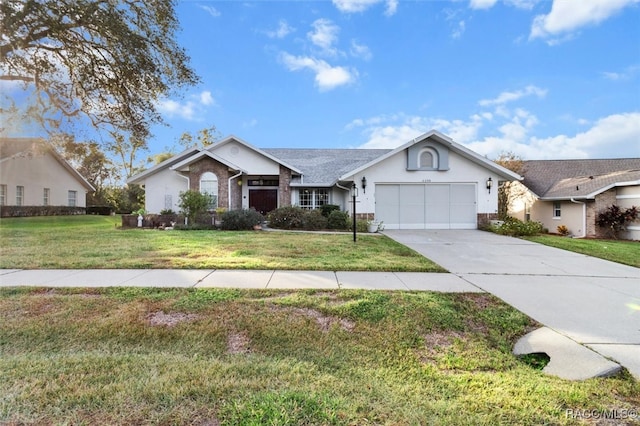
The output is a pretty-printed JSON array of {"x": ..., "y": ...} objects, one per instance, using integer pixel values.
[
  {"x": 193, "y": 203},
  {"x": 615, "y": 219}
]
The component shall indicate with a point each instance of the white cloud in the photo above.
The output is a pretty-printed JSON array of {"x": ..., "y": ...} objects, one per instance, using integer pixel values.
[
  {"x": 206, "y": 98},
  {"x": 191, "y": 110},
  {"x": 626, "y": 74},
  {"x": 356, "y": 6},
  {"x": 283, "y": 30},
  {"x": 458, "y": 30},
  {"x": 506, "y": 97},
  {"x": 327, "y": 77},
  {"x": 482, "y": 4},
  {"x": 360, "y": 51},
  {"x": 567, "y": 16},
  {"x": 324, "y": 35},
  {"x": 211, "y": 10}
]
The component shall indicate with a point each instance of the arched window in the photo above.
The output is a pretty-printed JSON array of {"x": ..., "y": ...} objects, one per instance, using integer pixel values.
[
  {"x": 428, "y": 159},
  {"x": 209, "y": 185}
]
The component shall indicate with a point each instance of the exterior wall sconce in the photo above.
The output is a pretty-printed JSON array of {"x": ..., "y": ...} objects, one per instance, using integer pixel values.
[
  {"x": 489, "y": 184},
  {"x": 364, "y": 184}
]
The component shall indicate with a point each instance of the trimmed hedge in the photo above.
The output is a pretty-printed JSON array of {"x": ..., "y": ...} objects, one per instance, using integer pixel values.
[
  {"x": 291, "y": 217},
  {"x": 240, "y": 220},
  {"x": 24, "y": 211}
]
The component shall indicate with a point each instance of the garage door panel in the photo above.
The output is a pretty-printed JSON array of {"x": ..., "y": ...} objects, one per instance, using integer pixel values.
[
  {"x": 463, "y": 206},
  {"x": 412, "y": 207},
  {"x": 436, "y": 206},
  {"x": 388, "y": 205}
]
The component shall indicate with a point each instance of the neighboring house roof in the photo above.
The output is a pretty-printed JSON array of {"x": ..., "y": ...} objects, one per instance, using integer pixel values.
[
  {"x": 566, "y": 179},
  {"x": 453, "y": 146},
  {"x": 28, "y": 147},
  {"x": 323, "y": 167}
]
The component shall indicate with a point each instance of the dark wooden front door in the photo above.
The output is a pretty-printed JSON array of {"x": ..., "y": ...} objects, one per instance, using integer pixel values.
[{"x": 263, "y": 200}]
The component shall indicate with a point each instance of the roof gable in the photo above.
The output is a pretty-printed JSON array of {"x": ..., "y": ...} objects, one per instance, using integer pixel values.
[
  {"x": 450, "y": 144},
  {"x": 265, "y": 153},
  {"x": 140, "y": 177}
]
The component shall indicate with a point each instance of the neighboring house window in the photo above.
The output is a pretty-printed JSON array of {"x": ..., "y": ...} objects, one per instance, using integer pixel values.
[
  {"x": 557, "y": 210},
  {"x": 209, "y": 185},
  {"x": 45, "y": 196},
  {"x": 313, "y": 198},
  {"x": 428, "y": 159},
  {"x": 19, "y": 195},
  {"x": 73, "y": 198},
  {"x": 168, "y": 202},
  {"x": 3, "y": 195}
]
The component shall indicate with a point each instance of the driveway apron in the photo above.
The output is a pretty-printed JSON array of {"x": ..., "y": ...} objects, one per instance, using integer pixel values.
[{"x": 592, "y": 301}]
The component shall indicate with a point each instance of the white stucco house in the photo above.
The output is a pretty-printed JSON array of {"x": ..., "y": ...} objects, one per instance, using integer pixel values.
[
  {"x": 573, "y": 192},
  {"x": 33, "y": 174},
  {"x": 430, "y": 182}
]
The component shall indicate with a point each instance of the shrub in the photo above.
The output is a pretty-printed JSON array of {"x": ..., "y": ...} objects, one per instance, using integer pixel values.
[
  {"x": 362, "y": 226},
  {"x": 287, "y": 218},
  {"x": 326, "y": 209},
  {"x": 614, "y": 219},
  {"x": 238, "y": 220},
  {"x": 517, "y": 228},
  {"x": 338, "y": 220},
  {"x": 193, "y": 203},
  {"x": 314, "y": 220},
  {"x": 563, "y": 230},
  {"x": 167, "y": 212}
]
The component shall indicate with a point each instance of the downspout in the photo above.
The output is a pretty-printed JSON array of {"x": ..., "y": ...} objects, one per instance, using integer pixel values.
[
  {"x": 584, "y": 216},
  {"x": 188, "y": 188},
  {"x": 230, "y": 179}
]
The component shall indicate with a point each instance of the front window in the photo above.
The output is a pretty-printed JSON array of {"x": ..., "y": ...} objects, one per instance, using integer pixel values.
[
  {"x": 19, "y": 195},
  {"x": 73, "y": 198},
  {"x": 45, "y": 196},
  {"x": 313, "y": 198},
  {"x": 209, "y": 185},
  {"x": 557, "y": 210}
]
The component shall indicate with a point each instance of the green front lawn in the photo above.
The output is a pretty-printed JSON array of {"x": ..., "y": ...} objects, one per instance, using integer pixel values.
[
  {"x": 87, "y": 242},
  {"x": 621, "y": 251},
  {"x": 231, "y": 357}
]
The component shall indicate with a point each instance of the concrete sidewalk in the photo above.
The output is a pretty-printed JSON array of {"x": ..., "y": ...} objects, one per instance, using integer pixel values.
[
  {"x": 593, "y": 302},
  {"x": 250, "y": 279}
]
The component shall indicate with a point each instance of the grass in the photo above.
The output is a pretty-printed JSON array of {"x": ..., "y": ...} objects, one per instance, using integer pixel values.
[
  {"x": 232, "y": 357},
  {"x": 621, "y": 251},
  {"x": 96, "y": 242}
]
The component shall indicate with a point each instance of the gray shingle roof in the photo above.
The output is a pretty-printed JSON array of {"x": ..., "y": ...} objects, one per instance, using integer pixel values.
[
  {"x": 323, "y": 167},
  {"x": 577, "y": 178}
]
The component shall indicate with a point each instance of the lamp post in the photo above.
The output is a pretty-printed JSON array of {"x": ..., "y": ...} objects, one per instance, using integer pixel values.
[{"x": 354, "y": 192}]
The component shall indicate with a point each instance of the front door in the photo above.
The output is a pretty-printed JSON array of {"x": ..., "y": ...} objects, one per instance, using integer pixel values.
[{"x": 263, "y": 200}]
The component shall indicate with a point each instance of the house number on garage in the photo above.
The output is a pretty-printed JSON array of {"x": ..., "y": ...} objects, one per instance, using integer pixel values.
[{"x": 426, "y": 180}]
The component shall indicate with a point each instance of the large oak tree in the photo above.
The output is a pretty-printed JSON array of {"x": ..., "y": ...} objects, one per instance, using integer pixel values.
[{"x": 109, "y": 60}]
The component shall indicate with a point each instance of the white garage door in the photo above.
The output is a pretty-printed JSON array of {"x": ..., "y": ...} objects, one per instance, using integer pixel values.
[{"x": 426, "y": 206}]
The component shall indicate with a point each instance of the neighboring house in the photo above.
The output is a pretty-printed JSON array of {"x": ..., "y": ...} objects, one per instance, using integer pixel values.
[
  {"x": 573, "y": 192},
  {"x": 32, "y": 173},
  {"x": 430, "y": 182}
]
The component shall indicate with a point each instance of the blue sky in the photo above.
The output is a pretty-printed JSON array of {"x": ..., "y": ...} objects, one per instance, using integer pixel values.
[{"x": 543, "y": 79}]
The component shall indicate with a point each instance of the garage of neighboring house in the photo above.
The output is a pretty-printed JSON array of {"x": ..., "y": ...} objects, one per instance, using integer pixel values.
[{"x": 426, "y": 205}]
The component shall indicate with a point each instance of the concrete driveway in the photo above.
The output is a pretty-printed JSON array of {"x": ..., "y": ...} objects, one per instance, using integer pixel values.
[{"x": 592, "y": 301}]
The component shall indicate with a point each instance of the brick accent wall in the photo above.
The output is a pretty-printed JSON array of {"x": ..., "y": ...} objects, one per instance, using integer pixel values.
[
  {"x": 602, "y": 202},
  {"x": 200, "y": 167},
  {"x": 284, "y": 189}
]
